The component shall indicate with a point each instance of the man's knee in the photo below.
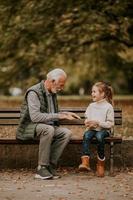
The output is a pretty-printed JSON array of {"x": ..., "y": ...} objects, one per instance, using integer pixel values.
[
  {"x": 43, "y": 130},
  {"x": 67, "y": 133}
]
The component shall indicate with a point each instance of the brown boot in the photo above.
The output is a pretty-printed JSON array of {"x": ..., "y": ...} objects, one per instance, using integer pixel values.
[
  {"x": 100, "y": 167},
  {"x": 85, "y": 165}
]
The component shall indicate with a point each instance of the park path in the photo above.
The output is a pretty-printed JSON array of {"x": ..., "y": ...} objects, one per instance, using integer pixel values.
[{"x": 21, "y": 185}]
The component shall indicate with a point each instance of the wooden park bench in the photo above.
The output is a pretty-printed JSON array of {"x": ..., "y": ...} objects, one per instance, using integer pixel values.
[{"x": 11, "y": 117}]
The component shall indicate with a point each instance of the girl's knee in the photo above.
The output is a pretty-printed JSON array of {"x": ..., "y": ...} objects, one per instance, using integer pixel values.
[
  {"x": 86, "y": 135},
  {"x": 100, "y": 138}
]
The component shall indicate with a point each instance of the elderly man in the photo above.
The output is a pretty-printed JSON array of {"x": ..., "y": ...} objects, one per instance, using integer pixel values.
[{"x": 40, "y": 119}]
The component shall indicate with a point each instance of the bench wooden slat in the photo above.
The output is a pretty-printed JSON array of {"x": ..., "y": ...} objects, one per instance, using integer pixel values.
[
  {"x": 71, "y": 109},
  {"x": 8, "y": 122},
  {"x": 72, "y": 141},
  {"x": 118, "y": 122},
  {"x": 11, "y": 116}
]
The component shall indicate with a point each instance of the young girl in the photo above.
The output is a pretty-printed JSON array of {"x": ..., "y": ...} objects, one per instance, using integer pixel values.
[{"x": 99, "y": 121}]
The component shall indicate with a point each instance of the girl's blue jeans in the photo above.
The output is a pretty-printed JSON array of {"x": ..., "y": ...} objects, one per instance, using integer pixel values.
[{"x": 99, "y": 135}]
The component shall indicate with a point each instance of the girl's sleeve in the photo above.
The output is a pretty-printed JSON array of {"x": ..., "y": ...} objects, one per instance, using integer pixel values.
[
  {"x": 109, "y": 119},
  {"x": 87, "y": 112}
]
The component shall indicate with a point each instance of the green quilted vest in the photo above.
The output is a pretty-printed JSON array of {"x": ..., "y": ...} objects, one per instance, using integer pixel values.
[{"x": 26, "y": 128}]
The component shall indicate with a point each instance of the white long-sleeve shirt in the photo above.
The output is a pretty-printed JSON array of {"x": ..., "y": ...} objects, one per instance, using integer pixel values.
[{"x": 101, "y": 111}]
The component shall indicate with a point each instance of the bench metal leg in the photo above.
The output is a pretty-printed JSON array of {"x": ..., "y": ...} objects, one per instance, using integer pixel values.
[
  {"x": 111, "y": 157},
  {"x": 122, "y": 158}
]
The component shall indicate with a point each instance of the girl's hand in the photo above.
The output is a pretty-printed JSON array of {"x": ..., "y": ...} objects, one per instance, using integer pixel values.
[{"x": 91, "y": 124}]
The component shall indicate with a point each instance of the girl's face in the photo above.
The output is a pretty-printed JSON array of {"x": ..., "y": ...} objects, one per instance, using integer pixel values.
[{"x": 96, "y": 94}]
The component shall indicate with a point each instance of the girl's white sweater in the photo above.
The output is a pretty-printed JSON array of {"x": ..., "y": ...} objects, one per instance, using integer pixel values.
[{"x": 101, "y": 111}]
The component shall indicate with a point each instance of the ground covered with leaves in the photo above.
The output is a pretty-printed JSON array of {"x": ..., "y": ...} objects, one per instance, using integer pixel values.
[{"x": 21, "y": 185}]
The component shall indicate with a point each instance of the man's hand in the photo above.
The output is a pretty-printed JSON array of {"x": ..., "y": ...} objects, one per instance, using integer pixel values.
[
  {"x": 91, "y": 124},
  {"x": 75, "y": 116},
  {"x": 68, "y": 115}
]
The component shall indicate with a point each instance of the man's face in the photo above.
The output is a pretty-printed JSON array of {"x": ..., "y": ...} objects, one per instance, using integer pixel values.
[{"x": 58, "y": 85}]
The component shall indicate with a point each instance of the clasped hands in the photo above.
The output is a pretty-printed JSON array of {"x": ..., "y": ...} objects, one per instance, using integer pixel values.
[
  {"x": 68, "y": 115},
  {"x": 90, "y": 124}
]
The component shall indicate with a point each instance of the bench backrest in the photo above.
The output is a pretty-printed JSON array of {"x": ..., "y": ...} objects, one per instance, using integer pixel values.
[{"x": 10, "y": 116}]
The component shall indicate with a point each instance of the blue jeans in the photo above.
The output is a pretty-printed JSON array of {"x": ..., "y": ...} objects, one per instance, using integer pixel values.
[{"x": 99, "y": 135}]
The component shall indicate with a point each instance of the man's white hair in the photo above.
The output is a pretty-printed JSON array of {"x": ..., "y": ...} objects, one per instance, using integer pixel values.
[{"x": 55, "y": 74}]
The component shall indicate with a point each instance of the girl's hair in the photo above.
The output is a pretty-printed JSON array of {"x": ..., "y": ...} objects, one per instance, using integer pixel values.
[{"x": 107, "y": 89}]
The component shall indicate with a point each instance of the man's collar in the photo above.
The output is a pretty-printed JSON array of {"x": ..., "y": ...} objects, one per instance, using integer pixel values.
[{"x": 45, "y": 90}]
